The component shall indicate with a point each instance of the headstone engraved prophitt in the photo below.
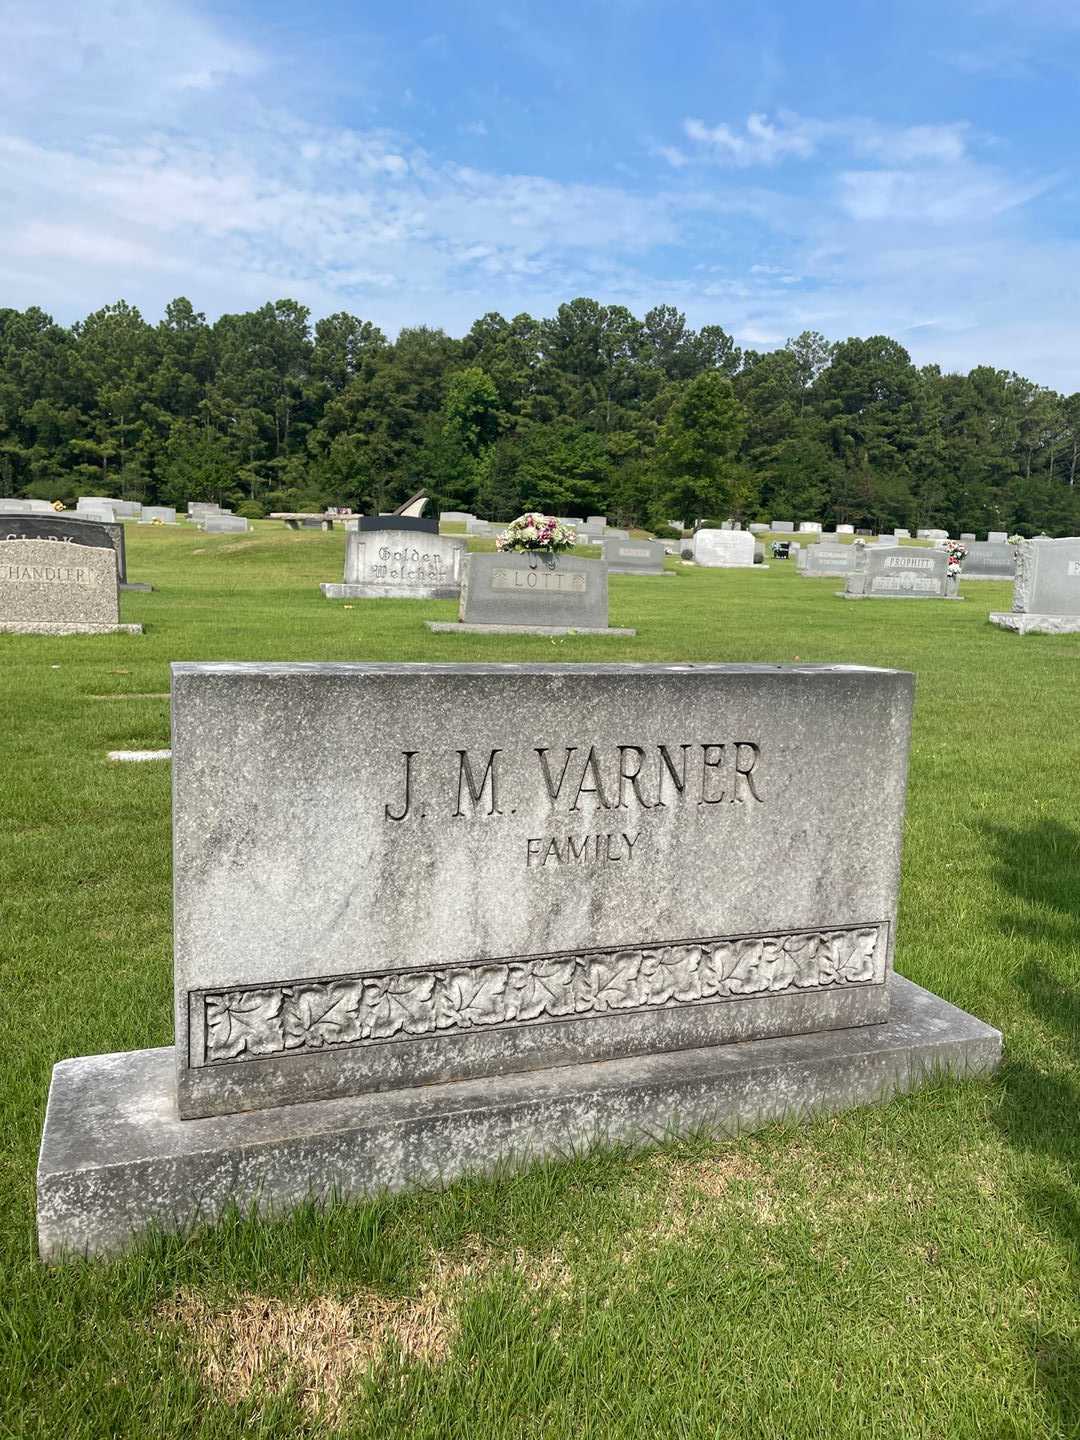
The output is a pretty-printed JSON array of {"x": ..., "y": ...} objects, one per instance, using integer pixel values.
[{"x": 901, "y": 573}]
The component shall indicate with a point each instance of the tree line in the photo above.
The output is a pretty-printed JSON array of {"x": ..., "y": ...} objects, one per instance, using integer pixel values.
[{"x": 589, "y": 411}]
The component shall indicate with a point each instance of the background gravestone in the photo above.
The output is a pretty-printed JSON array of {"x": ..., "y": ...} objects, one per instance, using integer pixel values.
[
  {"x": 532, "y": 592},
  {"x": 834, "y": 560},
  {"x": 1046, "y": 592},
  {"x": 48, "y": 588},
  {"x": 224, "y": 524},
  {"x": 74, "y": 530},
  {"x": 986, "y": 561},
  {"x": 634, "y": 557},
  {"x": 399, "y": 564},
  {"x": 724, "y": 549},
  {"x": 901, "y": 573}
]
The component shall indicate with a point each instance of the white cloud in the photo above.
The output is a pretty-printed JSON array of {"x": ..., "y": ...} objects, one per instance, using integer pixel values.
[{"x": 761, "y": 142}]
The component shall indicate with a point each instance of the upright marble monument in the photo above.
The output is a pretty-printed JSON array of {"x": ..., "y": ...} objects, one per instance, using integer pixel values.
[
  {"x": 501, "y": 911},
  {"x": 1046, "y": 592},
  {"x": 724, "y": 549}
]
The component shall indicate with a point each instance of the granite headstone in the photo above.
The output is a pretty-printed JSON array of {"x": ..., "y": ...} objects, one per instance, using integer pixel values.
[
  {"x": 49, "y": 588},
  {"x": 399, "y": 565}
]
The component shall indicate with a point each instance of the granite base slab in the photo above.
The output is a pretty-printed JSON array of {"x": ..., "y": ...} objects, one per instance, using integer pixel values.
[
  {"x": 27, "y": 627},
  {"x": 847, "y": 595},
  {"x": 457, "y": 627},
  {"x": 1025, "y": 624},
  {"x": 116, "y": 1159},
  {"x": 390, "y": 592}
]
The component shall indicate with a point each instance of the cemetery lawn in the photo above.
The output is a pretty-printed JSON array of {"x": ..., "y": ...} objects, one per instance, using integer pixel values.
[{"x": 910, "y": 1270}]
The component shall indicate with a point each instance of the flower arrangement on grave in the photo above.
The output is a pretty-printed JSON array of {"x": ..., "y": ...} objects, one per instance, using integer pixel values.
[
  {"x": 1015, "y": 540},
  {"x": 955, "y": 554},
  {"x": 535, "y": 532}
]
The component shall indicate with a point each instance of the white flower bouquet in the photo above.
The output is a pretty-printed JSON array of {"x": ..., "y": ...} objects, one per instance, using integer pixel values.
[{"x": 533, "y": 531}]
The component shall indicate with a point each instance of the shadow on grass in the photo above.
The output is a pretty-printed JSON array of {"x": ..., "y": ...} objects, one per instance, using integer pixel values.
[{"x": 1040, "y": 1113}]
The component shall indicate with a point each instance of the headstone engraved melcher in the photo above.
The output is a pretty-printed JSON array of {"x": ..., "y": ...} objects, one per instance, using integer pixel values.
[
  {"x": 502, "y": 911},
  {"x": 49, "y": 588},
  {"x": 901, "y": 573},
  {"x": 392, "y": 564},
  {"x": 1046, "y": 591}
]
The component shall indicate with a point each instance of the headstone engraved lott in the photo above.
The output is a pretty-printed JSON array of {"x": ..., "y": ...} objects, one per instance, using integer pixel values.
[
  {"x": 532, "y": 592},
  {"x": 48, "y": 588},
  {"x": 1046, "y": 591},
  {"x": 402, "y": 960},
  {"x": 902, "y": 573},
  {"x": 399, "y": 564}
]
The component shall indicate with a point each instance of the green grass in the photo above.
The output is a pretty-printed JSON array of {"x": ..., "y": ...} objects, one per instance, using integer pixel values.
[{"x": 910, "y": 1270}]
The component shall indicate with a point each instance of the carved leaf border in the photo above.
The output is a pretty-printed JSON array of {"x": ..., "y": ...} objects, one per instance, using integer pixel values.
[{"x": 366, "y": 1009}]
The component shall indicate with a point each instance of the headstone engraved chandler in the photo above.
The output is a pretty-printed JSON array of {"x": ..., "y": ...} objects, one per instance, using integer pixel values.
[
  {"x": 74, "y": 529},
  {"x": 1046, "y": 592},
  {"x": 634, "y": 557},
  {"x": 724, "y": 549},
  {"x": 399, "y": 564},
  {"x": 48, "y": 588},
  {"x": 403, "y": 961},
  {"x": 901, "y": 573},
  {"x": 533, "y": 593}
]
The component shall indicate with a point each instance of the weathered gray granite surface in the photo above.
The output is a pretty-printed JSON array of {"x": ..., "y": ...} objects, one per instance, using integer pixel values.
[
  {"x": 831, "y": 560},
  {"x": 901, "y": 573},
  {"x": 562, "y": 591},
  {"x": 634, "y": 557},
  {"x": 73, "y": 529},
  {"x": 399, "y": 565},
  {"x": 116, "y": 1159},
  {"x": 49, "y": 588},
  {"x": 482, "y": 868},
  {"x": 1048, "y": 577},
  {"x": 1025, "y": 623}
]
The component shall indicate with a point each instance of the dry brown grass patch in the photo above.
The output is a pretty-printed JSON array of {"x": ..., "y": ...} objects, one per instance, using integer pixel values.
[{"x": 321, "y": 1346}]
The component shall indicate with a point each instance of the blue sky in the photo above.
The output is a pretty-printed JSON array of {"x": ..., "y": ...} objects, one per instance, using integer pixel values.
[{"x": 850, "y": 166}]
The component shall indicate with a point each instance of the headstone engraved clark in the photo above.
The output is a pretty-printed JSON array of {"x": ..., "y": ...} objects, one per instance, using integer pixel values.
[
  {"x": 73, "y": 530},
  {"x": 532, "y": 593},
  {"x": 1046, "y": 591},
  {"x": 402, "y": 961},
  {"x": 399, "y": 564},
  {"x": 52, "y": 589},
  {"x": 901, "y": 573}
]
